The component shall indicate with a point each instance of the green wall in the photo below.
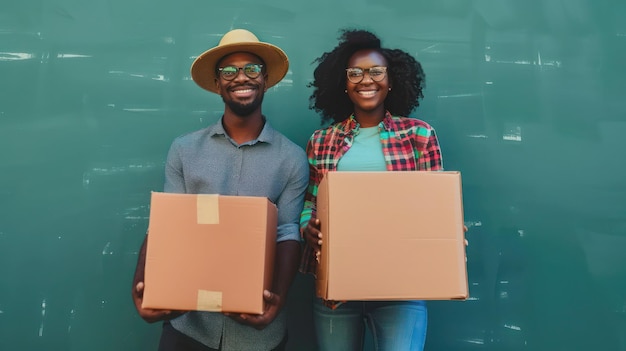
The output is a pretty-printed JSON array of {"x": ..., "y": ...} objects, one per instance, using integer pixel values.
[{"x": 527, "y": 96}]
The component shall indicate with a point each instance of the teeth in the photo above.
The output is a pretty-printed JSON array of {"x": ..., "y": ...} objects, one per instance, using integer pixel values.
[
  {"x": 367, "y": 93},
  {"x": 243, "y": 91}
]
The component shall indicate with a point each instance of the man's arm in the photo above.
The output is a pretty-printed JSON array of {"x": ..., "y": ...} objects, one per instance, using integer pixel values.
[
  {"x": 149, "y": 315},
  {"x": 288, "y": 247},
  {"x": 285, "y": 269},
  {"x": 174, "y": 183},
  {"x": 287, "y": 258}
]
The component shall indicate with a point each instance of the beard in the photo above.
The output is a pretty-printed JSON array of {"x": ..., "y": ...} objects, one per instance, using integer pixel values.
[{"x": 244, "y": 109}]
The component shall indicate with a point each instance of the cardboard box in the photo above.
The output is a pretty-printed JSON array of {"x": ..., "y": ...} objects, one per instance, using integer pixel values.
[
  {"x": 209, "y": 252},
  {"x": 391, "y": 236}
]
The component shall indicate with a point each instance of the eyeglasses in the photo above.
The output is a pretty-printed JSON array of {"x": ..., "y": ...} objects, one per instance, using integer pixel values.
[
  {"x": 356, "y": 74},
  {"x": 251, "y": 70}
]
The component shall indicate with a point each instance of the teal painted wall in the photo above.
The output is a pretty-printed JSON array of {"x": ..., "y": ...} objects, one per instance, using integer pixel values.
[{"x": 527, "y": 96}]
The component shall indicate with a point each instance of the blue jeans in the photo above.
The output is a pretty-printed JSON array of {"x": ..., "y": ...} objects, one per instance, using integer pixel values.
[{"x": 395, "y": 325}]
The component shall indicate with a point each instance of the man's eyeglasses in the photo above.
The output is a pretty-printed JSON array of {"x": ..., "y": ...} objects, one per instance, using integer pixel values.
[
  {"x": 251, "y": 70},
  {"x": 356, "y": 74}
]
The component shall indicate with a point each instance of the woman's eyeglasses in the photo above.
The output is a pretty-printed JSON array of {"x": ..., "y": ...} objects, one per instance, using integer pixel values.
[
  {"x": 356, "y": 74},
  {"x": 251, "y": 70}
]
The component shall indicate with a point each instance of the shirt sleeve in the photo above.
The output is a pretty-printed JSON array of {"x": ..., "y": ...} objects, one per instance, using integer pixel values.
[
  {"x": 291, "y": 200},
  {"x": 174, "y": 181},
  {"x": 310, "y": 198},
  {"x": 308, "y": 263},
  {"x": 431, "y": 159}
]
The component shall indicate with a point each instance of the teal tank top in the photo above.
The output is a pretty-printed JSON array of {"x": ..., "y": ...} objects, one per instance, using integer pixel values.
[{"x": 365, "y": 154}]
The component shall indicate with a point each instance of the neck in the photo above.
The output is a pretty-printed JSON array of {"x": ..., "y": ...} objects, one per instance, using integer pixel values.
[
  {"x": 243, "y": 128},
  {"x": 369, "y": 118}
]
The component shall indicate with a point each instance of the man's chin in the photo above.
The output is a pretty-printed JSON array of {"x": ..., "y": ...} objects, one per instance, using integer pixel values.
[{"x": 243, "y": 110}]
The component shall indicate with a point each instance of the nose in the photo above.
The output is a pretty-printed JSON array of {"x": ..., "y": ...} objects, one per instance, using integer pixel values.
[
  {"x": 240, "y": 74},
  {"x": 366, "y": 77}
]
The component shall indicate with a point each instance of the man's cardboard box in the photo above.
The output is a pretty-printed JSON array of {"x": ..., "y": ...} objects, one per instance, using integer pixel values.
[
  {"x": 391, "y": 236},
  {"x": 209, "y": 252}
]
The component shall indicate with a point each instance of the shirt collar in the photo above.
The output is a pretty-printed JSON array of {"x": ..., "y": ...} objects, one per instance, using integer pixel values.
[
  {"x": 350, "y": 124},
  {"x": 266, "y": 136}
]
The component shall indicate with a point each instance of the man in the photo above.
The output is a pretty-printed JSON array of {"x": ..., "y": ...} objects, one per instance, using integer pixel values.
[{"x": 239, "y": 155}]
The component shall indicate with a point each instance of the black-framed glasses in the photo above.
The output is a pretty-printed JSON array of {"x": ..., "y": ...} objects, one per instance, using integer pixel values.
[
  {"x": 356, "y": 74},
  {"x": 251, "y": 70}
]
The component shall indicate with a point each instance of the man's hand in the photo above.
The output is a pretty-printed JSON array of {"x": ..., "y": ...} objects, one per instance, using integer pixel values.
[
  {"x": 312, "y": 235},
  {"x": 273, "y": 303},
  {"x": 285, "y": 268},
  {"x": 148, "y": 314}
]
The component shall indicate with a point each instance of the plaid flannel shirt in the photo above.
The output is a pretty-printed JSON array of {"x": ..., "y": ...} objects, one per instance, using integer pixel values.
[{"x": 409, "y": 144}]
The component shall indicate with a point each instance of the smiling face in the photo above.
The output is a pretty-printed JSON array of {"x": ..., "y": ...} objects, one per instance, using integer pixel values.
[
  {"x": 242, "y": 95},
  {"x": 368, "y": 95}
]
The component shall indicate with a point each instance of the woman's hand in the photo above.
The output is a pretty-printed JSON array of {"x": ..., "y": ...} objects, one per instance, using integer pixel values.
[{"x": 313, "y": 237}]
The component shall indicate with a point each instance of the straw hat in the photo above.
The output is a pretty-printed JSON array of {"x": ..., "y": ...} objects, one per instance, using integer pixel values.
[{"x": 239, "y": 40}]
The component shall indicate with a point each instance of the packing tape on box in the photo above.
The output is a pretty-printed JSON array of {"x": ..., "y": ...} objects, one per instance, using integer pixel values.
[
  {"x": 208, "y": 209},
  {"x": 209, "y": 301}
]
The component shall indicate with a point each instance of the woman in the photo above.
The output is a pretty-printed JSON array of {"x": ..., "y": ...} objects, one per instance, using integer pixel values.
[{"x": 365, "y": 90}]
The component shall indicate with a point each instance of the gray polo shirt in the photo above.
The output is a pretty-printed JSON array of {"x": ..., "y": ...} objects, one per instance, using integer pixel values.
[{"x": 208, "y": 161}]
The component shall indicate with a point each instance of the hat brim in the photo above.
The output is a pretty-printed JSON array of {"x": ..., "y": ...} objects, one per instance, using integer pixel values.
[{"x": 275, "y": 59}]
